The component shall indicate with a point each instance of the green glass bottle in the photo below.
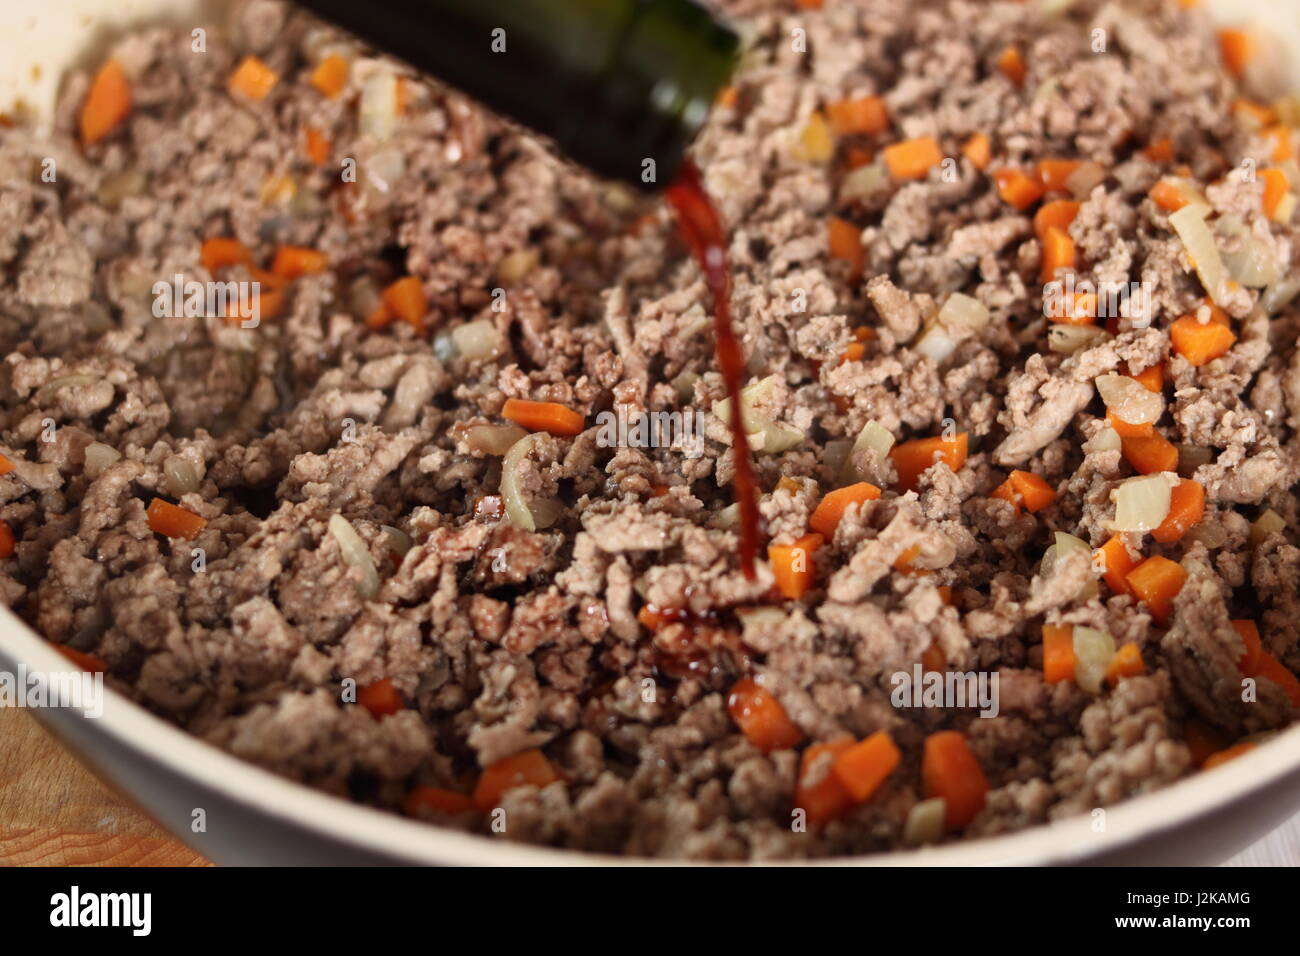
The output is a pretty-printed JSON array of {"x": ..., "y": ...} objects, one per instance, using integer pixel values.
[{"x": 621, "y": 86}]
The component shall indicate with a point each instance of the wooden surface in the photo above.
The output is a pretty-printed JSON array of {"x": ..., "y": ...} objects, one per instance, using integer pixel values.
[{"x": 53, "y": 812}]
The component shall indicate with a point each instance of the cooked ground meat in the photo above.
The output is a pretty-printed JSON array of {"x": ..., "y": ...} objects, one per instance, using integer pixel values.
[{"x": 607, "y": 638}]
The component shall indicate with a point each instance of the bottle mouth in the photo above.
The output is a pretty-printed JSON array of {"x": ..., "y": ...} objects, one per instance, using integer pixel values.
[{"x": 655, "y": 95}]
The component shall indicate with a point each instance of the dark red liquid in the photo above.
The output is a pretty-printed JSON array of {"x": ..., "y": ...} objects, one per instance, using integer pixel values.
[{"x": 702, "y": 232}]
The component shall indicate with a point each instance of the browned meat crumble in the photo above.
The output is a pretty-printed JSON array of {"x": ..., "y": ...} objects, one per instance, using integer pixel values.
[{"x": 500, "y": 640}]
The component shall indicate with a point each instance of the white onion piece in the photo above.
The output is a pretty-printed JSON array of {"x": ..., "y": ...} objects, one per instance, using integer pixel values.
[
  {"x": 355, "y": 554},
  {"x": 182, "y": 478},
  {"x": 876, "y": 437},
  {"x": 128, "y": 183},
  {"x": 1068, "y": 339},
  {"x": 51, "y": 387},
  {"x": 476, "y": 340},
  {"x": 1130, "y": 400},
  {"x": 363, "y": 297},
  {"x": 936, "y": 344},
  {"x": 684, "y": 385},
  {"x": 1093, "y": 650},
  {"x": 1085, "y": 179},
  {"x": 1279, "y": 295},
  {"x": 399, "y": 542},
  {"x": 1285, "y": 210},
  {"x": 1210, "y": 533},
  {"x": 99, "y": 457},
  {"x": 1189, "y": 223},
  {"x": 1106, "y": 439},
  {"x": 865, "y": 180},
  {"x": 751, "y": 396},
  {"x": 1251, "y": 263},
  {"x": 385, "y": 169},
  {"x": 925, "y": 822},
  {"x": 1270, "y": 522},
  {"x": 1141, "y": 504},
  {"x": 778, "y": 438},
  {"x": 963, "y": 312},
  {"x": 728, "y": 518},
  {"x": 493, "y": 439},
  {"x": 377, "y": 110},
  {"x": 517, "y": 265},
  {"x": 835, "y": 454},
  {"x": 522, "y": 514}
]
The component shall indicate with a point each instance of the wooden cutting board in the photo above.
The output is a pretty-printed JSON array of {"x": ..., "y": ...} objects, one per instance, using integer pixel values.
[{"x": 53, "y": 812}]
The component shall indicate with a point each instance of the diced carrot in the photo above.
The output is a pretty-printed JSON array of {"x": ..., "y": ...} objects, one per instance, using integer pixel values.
[
  {"x": 253, "y": 79},
  {"x": 544, "y": 416},
  {"x": 1127, "y": 662},
  {"x": 293, "y": 262},
  {"x": 216, "y": 254},
  {"x": 380, "y": 317},
  {"x": 1255, "y": 114},
  {"x": 864, "y": 115},
  {"x": 1186, "y": 509},
  {"x": 87, "y": 662},
  {"x": 173, "y": 521},
  {"x": 527, "y": 768},
  {"x": 1030, "y": 491},
  {"x": 761, "y": 718},
  {"x": 1156, "y": 582},
  {"x": 809, "y": 4},
  {"x": 1058, "y": 653},
  {"x": 318, "y": 147},
  {"x": 1125, "y": 430},
  {"x": 903, "y": 563},
  {"x": 1248, "y": 664},
  {"x": 330, "y": 75},
  {"x": 978, "y": 151},
  {"x": 436, "y": 798},
  {"x": 933, "y": 657},
  {"x": 107, "y": 104},
  {"x": 1018, "y": 189},
  {"x": 1281, "y": 137},
  {"x": 402, "y": 95},
  {"x": 1012, "y": 65},
  {"x": 1057, "y": 214},
  {"x": 793, "y": 567},
  {"x": 1223, "y": 756},
  {"x": 6, "y": 466},
  {"x": 822, "y": 799},
  {"x": 1115, "y": 564},
  {"x": 855, "y": 157},
  {"x": 405, "y": 299},
  {"x": 1270, "y": 668},
  {"x": 1167, "y": 196},
  {"x": 1199, "y": 343},
  {"x": 913, "y": 458},
  {"x": 1159, "y": 151},
  {"x": 381, "y": 698},
  {"x": 853, "y": 353},
  {"x": 1152, "y": 378},
  {"x": 945, "y": 595},
  {"x": 1058, "y": 252},
  {"x": 1149, "y": 454},
  {"x": 913, "y": 158},
  {"x": 1276, "y": 186},
  {"x": 950, "y": 770},
  {"x": 1236, "y": 47},
  {"x": 864, "y": 333},
  {"x": 1202, "y": 740},
  {"x": 6, "y": 540},
  {"x": 845, "y": 241},
  {"x": 1055, "y": 173},
  {"x": 826, "y": 518},
  {"x": 727, "y": 97},
  {"x": 862, "y": 768}
]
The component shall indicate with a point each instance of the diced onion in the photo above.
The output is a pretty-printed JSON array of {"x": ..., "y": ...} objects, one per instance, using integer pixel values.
[
  {"x": 1189, "y": 223},
  {"x": 182, "y": 478},
  {"x": 684, "y": 385},
  {"x": 493, "y": 439},
  {"x": 116, "y": 187},
  {"x": 936, "y": 344},
  {"x": 1130, "y": 400},
  {"x": 1141, "y": 504},
  {"x": 1087, "y": 177},
  {"x": 99, "y": 457},
  {"x": 925, "y": 822},
  {"x": 1270, "y": 522},
  {"x": 355, "y": 554},
  {"x": 96, "y": 317},
  {"x": 728, "y": 518},
  {"x": 1210, "y": 533},
  {"x": 377, "y": 110},
  {"x": 1279, "y": 295},
  {"x": 963, "y": 312},
  {"x": 522, "y": 514},
  {"x": 864, "y": 181},
  {"x": 363, "y": 297},
  {"x": 517, "y": 265},
  {"x": 1068, "y": 339},
  {"x": 1106, "y": 439},
  {"x": 778, "y": 438},
  {"x": 385, "y": 169},
  {"x": 1064, "y": 545},
  {"x": 835, "y": 454},
  {"x": 1093, "y": 650},
  {"x": 399, "y": 542},
  {"x": 760, "y": 393},
  {"x": 476, "y": 340},
  {"x": 1285, "y": 210},
  {"x": 1251, "y": 263}
]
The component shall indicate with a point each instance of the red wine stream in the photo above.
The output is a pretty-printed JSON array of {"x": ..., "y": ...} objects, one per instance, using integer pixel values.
[{"x": 702, "y": 231}]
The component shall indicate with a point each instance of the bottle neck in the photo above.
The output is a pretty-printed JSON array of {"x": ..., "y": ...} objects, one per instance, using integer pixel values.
[{"x": 621, "y": 86}]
